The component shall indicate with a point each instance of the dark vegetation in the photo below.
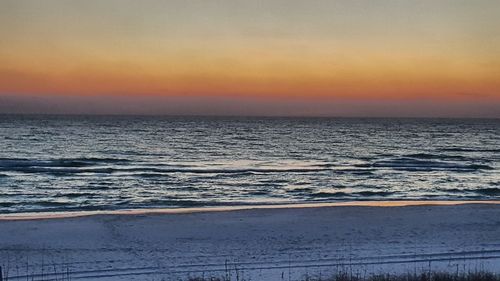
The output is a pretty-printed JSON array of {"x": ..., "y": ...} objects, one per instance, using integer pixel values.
[
  {"x": 57, "y": 273},
  {"x": 433, "y": 276}
]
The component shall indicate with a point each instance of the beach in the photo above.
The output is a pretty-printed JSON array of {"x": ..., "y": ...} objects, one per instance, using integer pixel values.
[
  {"x": 249, "y": 140},
  {"x": 267, "y": 243}
]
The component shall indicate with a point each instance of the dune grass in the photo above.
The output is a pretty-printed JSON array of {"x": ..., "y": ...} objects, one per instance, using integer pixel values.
[{"x": 433, "y": 276}]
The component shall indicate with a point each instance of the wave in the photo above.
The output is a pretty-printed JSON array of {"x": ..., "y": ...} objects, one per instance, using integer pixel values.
[
  {"x": 179, "y": 203},
  {"x": 7, "y": 204},
  {"x": 436, "y": 156},
  {"x": 488, "y": 191},
  {"x": 255, "y": 184},
  {"x": 454, "y": 190},
  {"x": 75, "y": 195},
  {"x": 493, "y": 191},
  {"x": 461, "y": 149},
  {"x": 354, "y": 194},
  {"x": 330, "y": 194},
  {"x": 412, "y": 164},
  {"x": 143, "y": 169},
  {"x": 63, "y": 162},
  {"x": 374, "y": 193},
  {"x": 259, "y": 192},
  {"x": 52, "y": 203},
  {"x": 300, "y": 190},
  {"x": 51, "y": 207},
  {"x": 70, "y": 167}
]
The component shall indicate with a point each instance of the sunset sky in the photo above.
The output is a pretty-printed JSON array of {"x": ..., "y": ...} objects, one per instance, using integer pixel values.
[{"x": 318, "y": 58}]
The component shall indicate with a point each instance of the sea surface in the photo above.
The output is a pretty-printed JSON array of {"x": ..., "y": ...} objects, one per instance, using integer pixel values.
[{"x": 60, "y": 163}]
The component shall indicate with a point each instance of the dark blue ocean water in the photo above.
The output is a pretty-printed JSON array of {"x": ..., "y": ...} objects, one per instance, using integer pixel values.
[{"x": 57, "y": 163}]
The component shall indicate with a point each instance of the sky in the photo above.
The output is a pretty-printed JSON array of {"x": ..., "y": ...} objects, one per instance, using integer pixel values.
[{"x": 424, "y": 58}]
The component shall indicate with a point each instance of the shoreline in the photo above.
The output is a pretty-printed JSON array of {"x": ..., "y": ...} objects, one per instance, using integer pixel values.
[{"x": 173, "y": 211}]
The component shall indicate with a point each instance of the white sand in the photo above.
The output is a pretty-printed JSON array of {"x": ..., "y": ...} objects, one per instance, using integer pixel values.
[{"x": 256, "y": 244}]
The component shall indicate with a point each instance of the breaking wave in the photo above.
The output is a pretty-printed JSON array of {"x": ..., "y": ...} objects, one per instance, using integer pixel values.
[{"x": 414, "y": 164}]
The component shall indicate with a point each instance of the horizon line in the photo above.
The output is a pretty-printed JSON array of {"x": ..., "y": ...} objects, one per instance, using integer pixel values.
[{"x": 291, "y": 116}]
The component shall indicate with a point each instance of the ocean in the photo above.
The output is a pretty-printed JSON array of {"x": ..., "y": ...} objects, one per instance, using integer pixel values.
[{"x": 78, "y": 163}]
